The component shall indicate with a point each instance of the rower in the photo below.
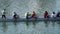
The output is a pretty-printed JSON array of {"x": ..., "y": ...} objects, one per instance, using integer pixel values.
[
  {"x": 46, "y": 14},
  {"x": 27, "y": 15},
  {"x": 53, "y": 14},
  {"x": 33, "y": 15},
  {"x": 15, "y": 16},
  {"x": 58, "y": 14},
  {"x": 3, "y": 14}
]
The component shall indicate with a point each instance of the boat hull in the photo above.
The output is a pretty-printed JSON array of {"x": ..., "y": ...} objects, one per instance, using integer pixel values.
[{"x": 29, "y": 20}]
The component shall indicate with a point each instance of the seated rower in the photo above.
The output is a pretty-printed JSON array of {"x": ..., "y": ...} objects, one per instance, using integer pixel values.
[
  {"x": 33, "y": 15},
  {"x": 58, "y": 14},
  {"x": 46, "y": 14},
  {"x": 15, "y": 16},
  {"x": 3, "y": 14},
  {"x": 27, "y": 15},
  {"x": 53, "y": 14}
]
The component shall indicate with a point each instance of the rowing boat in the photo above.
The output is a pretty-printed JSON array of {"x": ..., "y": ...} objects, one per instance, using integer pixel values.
[{"x": 30, "y": 20}]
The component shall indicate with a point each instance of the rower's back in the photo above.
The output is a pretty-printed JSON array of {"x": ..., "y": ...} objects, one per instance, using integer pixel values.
[
  {"x": 58, "y": 14},
  {"x": 53, "y": 14},
  {"x": 33, "y": 15},
  {"x": 4, "y": 14},
  {"x": 27, "y": 15},
  {"x": 15, "y": 16},
  {"x": 46, "y": 15}
]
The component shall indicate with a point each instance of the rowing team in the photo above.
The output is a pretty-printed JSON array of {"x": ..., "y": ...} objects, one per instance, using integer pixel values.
[
  {"x": 16, "y": 16},
  {"x": 33, "y": 15},
  {"x": 53, "y": 15}
]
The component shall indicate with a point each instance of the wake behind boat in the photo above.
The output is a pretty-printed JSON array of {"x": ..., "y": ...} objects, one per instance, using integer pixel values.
[{"x": 29, "y": 20}]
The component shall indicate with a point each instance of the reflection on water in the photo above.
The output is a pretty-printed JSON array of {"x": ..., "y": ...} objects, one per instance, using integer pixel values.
[
  {"x": 53, "y": 23},
  {"x": 27, "y": 23},
  {"x": 46, "y": 23},
  {"x": 33, "y": 23},
  {"x": 15, "y": 23},
  {"x": 58, "y": 22},
  {"x": 46, "y": 27},
  {"x": 4, "y": 26}
]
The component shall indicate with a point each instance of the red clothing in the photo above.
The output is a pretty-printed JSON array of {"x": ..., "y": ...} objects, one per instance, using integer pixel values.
[
  {"x": 33, "y": 15},
  {"x": 45, "y": 14}
]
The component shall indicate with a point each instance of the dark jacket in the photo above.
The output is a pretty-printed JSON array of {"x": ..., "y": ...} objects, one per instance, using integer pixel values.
[{"x": 58, "y": 14}]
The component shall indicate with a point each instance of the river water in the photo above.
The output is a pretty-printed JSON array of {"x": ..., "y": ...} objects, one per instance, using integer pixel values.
[{"x": 23, "y": 6}]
